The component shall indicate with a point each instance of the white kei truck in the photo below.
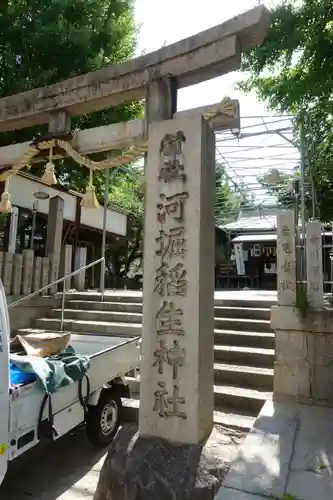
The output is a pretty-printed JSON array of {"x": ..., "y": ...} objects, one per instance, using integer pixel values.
[{"x": 28, "y": 415}]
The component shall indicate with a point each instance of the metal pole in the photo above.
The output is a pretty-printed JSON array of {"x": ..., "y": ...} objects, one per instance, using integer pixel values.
[
  {"x": 105, "y": 214},
  {"x": 302, "y": 186},
  {"x": 63, "y": 306},
  {"x": 33, "y": 225},
  {"x": 297, "y": 235}
]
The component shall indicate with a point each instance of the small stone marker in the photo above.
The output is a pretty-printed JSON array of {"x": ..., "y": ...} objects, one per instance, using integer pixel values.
[
  {"x": 17, "y": 273},
  {"x": 286, "y": 258},
  {"x": 80, "y": 261},
  {"x": 7, "y": 272},
  {"x": 176, "y": 388},
  {"x": 36, "y": 284},
  {"x": 314, "y": 264},
  {"x": 67, "y": 264},
  {"x": 28, "y": 266},
  {"x": 45, "y": 274}
]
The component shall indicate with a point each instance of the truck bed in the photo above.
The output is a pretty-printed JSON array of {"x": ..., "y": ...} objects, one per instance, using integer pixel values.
[
  {"x": 96, "y": 345},
  {"x": 110, "y": 357}
]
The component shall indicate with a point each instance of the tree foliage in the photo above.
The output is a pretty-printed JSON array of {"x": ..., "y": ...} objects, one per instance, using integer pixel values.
[
  {"x": 293, "y": 72},
  {"x": 227, "y": 202},
  {"x": 283, "y": 191},
  {"x": 127, "y": 190},
  {"x": 43, "y": 42},
  {"x": 46, "y": 41}
]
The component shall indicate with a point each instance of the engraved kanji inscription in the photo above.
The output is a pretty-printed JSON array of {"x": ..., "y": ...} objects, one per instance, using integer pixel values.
[
  {"x": 173, "y": 356},
  {"x": 176, "y": 356},
  {"x": 286, "y": 247},
  {"x": 314, "y": 269},
  {"x": 314, "y": 240},
  {"x": 172, "y": 158},
  {"x": 169, "y": 319},
  {"x": 287, "y": 266},
  {"x": 168, "y": 406},
  {"x": 314, "y": 287},
  {"x": 287, "y": 285},
  {"x": 175, "y": 400},
  {"x": 171, "y": 205},
  {"x": 171, "y": 243},
  {"x": 161, "y": 400},
  {"x": 286, "y": 230},
  {"x": 171, "y": 280}
]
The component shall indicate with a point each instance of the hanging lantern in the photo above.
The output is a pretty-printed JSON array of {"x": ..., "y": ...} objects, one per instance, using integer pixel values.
[
  {"x": 89, "y": 199},
  {"x": 49, "y": 176},
  {"x": 5, "y": 203}
]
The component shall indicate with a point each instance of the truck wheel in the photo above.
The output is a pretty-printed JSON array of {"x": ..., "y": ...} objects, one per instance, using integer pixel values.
[{"x": 103, "y": 419}]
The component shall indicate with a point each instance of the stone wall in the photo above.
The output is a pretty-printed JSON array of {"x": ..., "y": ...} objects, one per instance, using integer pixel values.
[
  {"x": 25, "y": 314},
  {"x": 303, "y": 368},
  {"x": 303, "y": 324}
]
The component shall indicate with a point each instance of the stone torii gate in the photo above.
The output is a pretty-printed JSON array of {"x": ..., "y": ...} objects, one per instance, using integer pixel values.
[{"x": 176, "y": 394}]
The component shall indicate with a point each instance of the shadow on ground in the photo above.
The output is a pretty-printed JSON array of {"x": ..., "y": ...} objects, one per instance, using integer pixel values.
[{"x": 65, "y": 470}]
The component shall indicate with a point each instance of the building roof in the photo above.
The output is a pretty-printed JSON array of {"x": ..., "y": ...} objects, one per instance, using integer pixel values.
[
  {"x": 254, "y": 238},
  {"x": 255, "y": 219},
  {"x": 258, "y": 223}
]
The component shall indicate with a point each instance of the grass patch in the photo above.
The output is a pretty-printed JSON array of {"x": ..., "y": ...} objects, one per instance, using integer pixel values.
[{"x": 302, "y": 304}]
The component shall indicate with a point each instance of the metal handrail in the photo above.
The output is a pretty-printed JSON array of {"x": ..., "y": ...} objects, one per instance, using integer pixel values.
[{"x": 60, "y": 280}]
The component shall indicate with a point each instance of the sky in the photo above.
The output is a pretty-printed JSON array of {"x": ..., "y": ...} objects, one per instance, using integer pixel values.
[{"x": 164, "y": 22}]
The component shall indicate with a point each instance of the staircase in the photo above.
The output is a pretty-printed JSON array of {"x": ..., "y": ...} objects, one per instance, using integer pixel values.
[{"x": 243, "y": 350}]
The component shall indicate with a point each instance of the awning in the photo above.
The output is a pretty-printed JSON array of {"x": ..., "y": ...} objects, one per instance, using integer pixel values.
[{"x": 254, "y": 238}]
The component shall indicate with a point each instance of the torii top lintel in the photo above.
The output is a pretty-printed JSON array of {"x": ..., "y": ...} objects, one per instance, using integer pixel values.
[{"x": 205, "y": 55}]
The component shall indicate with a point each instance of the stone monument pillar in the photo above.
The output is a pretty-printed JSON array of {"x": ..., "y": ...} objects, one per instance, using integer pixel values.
[
  {"x": 303, "y": 370},
  {"x": 176, "y": 394},
  {"x": 175, "y": 454},
  {"x": 54, "y": 237},
  {"x": 286, "y": 258},
  {"x": 314, "y": 263}
]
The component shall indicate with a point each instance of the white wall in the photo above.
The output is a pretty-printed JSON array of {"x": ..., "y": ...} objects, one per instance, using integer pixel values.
[
  {"x": 116, "y": 223},
  {"x": 22, "y": 192}
]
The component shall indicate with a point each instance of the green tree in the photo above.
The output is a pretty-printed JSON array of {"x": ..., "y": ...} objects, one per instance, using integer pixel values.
[
  {"x": 293, "y": 72},
  {"x": 127, "y": 190},
  {"x": 227, "y": 202},
  {"x": 42, "y": 42},
  {"x": 283, "y": 190}
]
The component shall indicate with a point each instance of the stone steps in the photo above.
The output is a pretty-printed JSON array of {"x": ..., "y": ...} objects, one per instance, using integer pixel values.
[
  {"x": 90, "y": 305},
  {"x": 249, "y": 356},
  {"x": 242, "y": 312},
  {"x": 243, "y": 338},
  {"x": 240, "y": 324},
  {"x": 116, "y": 296},
  {"x": 224, "y": 416},
  {"x": 136, "y": 307},
  {"x": 243, "y": 346},
  {"x": 245, "y": 376},
  {"x": 90, "y": 327},
  {"x": 235, "y": 324},
  {"x": 240, "y": 398},
  {"x": 95, "y": 315}
]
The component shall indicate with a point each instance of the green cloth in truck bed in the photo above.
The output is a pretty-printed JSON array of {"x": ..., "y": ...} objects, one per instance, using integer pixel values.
[{"x": 55, "y": 371}]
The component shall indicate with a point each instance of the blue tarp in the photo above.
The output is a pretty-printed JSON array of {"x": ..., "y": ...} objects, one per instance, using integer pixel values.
[{"x": 52, "y": 372}]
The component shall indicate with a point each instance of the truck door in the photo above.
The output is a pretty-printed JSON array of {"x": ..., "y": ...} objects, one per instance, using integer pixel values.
[{"x": 4, "y": 383}]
